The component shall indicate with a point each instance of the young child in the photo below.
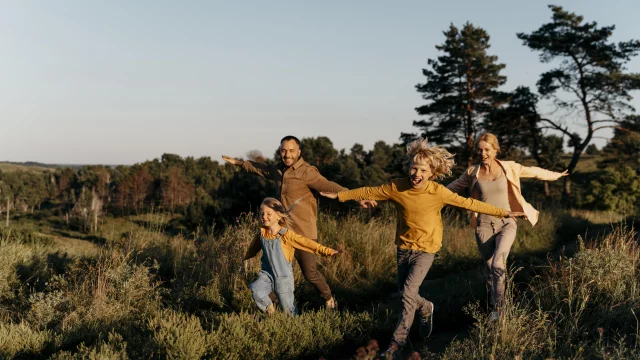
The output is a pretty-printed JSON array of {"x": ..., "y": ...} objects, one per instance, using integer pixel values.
[
  {"x": 418, "y": 201},
  {"x": 278, "y": 244}
]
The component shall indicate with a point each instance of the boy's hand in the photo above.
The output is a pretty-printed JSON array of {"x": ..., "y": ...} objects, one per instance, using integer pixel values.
[
  {"x": 231, "y": 160},
  {"x": 330, "y": 195},
  {"x": 516, "y": 214}
]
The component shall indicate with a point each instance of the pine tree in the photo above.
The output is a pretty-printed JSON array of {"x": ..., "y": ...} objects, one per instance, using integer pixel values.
[
  {"x": 461, "y": 89},
  {"x": 589, "y": 77}
]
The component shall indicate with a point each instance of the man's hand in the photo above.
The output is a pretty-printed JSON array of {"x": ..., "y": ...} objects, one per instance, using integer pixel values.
[
  {"x": 366, "y": 204},
  {"x": 516, "y": 214},
  {"x": 231, "y": 160},
  {"x": 330, "y": 195}
]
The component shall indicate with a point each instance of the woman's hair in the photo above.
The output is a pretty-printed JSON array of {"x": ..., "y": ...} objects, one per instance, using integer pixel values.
[
  {"x": 440, "y": 160},
  {"x": 275, "y": 205},
  {"x": 490, "y": 139}
]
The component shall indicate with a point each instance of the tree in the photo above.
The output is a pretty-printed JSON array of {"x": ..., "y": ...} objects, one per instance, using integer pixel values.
[
  {"x": 590, "y": 76},
  {"x": 176, "y": 189},
  {"x": 461, "y": 89},
  {"x": 624, "y": 147},
  {"x": 518, "y": 127}
]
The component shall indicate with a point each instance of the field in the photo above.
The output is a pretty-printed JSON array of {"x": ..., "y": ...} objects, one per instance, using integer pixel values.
[{"x": 132, "y": 290}]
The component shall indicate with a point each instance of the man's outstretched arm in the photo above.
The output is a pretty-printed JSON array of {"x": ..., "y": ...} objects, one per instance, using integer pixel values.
[{"x": 253, "y": 167}]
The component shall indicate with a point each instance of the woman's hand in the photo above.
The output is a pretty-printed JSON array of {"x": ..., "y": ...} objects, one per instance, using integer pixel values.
[
  {"x": 516, "y": 214},
  {"x": 564, "y": 173},
  {"x": 330, "y": 195},
  {"x": 333, "y": 252}
]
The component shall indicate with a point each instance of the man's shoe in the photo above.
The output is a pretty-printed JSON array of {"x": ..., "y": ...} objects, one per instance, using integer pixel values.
[
  {"x": 426, "y": 320},
  {"x": 332, "y": 304}
]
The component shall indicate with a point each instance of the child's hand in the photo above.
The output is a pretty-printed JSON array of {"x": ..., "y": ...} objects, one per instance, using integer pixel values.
[
  {"x": 516, "y": 214},
  {"x": 330, "y": 195}
]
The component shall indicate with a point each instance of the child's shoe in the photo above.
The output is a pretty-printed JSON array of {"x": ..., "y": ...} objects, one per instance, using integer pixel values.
[
  {"x": 332, "y": 304},
  {"x": 270, "y": 310}
]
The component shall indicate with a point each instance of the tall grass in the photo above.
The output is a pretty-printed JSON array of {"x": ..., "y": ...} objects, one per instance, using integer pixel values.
[
  {"x": 580, "y": 308},
  {"x": 146, "y": 294}
]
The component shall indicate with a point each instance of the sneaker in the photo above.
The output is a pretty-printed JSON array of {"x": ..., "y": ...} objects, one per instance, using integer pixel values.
[
  {"x": 271, "y": 309},
  {"x": 494, "y": 316},
  {"x": 332, "y": 304},
  {"x": 426, "y": 320},
  {"x": 392, "y": 351}
]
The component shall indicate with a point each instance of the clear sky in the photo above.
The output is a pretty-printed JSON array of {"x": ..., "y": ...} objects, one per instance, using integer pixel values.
[{"x": 120, "y": 82}]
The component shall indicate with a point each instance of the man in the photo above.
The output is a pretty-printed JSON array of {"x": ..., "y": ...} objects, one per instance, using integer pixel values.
[{"x": 296, "y": 179}]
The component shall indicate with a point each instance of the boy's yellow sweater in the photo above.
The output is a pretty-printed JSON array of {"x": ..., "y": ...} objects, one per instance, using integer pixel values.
[{"x": 419, "y": 221}]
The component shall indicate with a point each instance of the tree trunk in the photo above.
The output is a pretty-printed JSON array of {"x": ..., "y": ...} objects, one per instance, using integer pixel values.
[{"x": 547, "y": 193}]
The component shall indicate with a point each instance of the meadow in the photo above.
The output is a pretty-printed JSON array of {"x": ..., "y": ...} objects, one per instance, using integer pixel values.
[{"x": 135, "y": 290}]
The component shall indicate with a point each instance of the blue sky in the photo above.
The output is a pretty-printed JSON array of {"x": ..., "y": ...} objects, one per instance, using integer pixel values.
[{"x": 119, "y": 82}]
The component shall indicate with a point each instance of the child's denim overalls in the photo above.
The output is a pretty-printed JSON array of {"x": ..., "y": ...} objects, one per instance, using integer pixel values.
[{"x": 276, "y": 275}]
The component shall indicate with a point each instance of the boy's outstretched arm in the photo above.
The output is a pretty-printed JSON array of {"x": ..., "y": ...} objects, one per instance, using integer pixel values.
[
  {"x": 382, "y": 192},
  {"x": 451, "y": 198}
]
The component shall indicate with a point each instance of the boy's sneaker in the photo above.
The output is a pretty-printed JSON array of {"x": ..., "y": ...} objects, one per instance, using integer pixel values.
[
  {"x": 392, "y": 351},
  {"x": 332, "y": 304},
  {"x": 271, "y": 309},
  {"x": 426, "y": 320}
]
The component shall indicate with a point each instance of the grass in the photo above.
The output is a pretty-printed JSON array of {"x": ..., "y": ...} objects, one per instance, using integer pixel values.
[{"x": 133, "y": 291}]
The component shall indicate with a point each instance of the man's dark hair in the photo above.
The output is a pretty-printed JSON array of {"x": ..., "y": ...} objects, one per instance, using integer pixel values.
[{"x": 290, "y": 137}]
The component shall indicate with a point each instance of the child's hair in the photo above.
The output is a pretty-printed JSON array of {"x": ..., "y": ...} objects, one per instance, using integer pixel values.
[
  {"x": 440, "y": 160},
  {"x": 275, "y": 205},
  {"x": 490, "y": 139}
]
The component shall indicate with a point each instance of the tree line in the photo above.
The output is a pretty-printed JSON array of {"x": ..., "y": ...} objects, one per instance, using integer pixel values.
[{"x": 587, "y": 80}]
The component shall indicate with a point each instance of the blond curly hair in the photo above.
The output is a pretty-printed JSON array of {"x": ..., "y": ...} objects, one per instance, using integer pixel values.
[{"x": 438, "y": 158}]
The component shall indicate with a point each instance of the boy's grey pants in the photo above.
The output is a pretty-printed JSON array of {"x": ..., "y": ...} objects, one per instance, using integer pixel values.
[
  {"x": 495, "y": 237},
  {"x": 413, "y": 266}
]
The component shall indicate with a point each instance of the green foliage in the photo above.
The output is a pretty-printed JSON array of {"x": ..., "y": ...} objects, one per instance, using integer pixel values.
[
  {"x": 20, "y": 339},
  {"x": 178, "y": 336},
  {"x": 589, "y": 75},
  {"x": 617, "y": 189}
]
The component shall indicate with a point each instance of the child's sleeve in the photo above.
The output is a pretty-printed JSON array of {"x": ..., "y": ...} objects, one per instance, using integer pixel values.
[
  {"x": 382, "y": 192},
  {"x": 254, "y": 248},
  {"x": 451, "y": 198},
  {"x": 305, "y": 244}
]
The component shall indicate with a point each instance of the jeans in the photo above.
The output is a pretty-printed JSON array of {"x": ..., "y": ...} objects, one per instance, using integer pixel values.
[
  {"x": 283, "y": 288},
  {"x": 413, "y": 266}
]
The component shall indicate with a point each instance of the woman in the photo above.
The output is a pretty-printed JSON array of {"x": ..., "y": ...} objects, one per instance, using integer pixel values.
[{"x": 498, "y": 183}]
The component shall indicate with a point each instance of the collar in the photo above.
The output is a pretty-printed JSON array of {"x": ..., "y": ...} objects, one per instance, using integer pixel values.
[{"x": 295, "y": 166}]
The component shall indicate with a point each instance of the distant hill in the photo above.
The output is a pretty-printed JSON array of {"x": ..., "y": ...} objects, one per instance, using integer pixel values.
[{"x": 32, "y": 166}]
